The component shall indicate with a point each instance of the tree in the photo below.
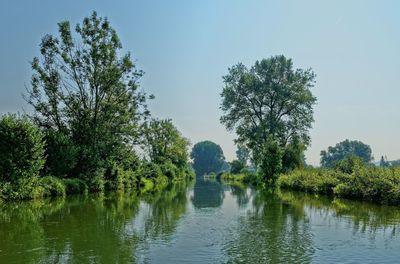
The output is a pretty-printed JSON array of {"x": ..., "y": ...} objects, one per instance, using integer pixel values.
[
  {"x": 21, "y": 149},
  {"x": 207, "y": 157},
  {"x": 270, "y": 161},
  {"x": 344, "y": 149},
  {"x": 82, "y": 87},
  {"x": 271, "y": 99},
  {"x": 237, "y": 166},
  {"x": 293, "y": 156},
  {"x": 164, "y": 143},
  {"x": 242, "y": 154},
  {"x": 384, "y": 162}
]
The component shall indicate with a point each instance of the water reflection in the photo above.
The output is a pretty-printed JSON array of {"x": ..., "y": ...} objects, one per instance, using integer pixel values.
[
  {"x": 271, "y": 231},
  {"x": 207, "y": 193},
  {"x": 235, "y": 224},
  {"x": 85, "y": 229}
]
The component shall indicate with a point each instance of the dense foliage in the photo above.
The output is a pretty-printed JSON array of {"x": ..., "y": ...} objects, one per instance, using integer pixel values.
[
  {"x": 21, "y": 149},
  {"x": 207, "y": 157},
  {"x": 351, "y": 179},
  {"x": 237, "y": 166},
  {"x": 90, "y": 119},
  {"x": 343, "y": 149},
  {"x": 85, "y": 96},
  {"x": 269, "y": 100}
]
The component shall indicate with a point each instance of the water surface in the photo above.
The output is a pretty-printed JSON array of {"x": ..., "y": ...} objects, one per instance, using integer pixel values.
[{"x": 209, "y": 222}]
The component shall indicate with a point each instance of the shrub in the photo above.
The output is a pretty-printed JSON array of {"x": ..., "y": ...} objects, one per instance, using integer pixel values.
[
  {"x": 52, "y": 186},
  {"x": 236, "y": 166},
  {"x": 146, "y": 184},
  {"x": 74, "y": 186},
  {"x": 149, "y": 170},
  {"x": 270, "y": 161},
  {"x": 364, "y": 182},
  {"x": 61, "y": 154},
  {"x": 21, "y": 149},
  {"x": 170, "y": 170},
  {"x": 96, "y": 183},
  {"x": 310, "y": 180}
]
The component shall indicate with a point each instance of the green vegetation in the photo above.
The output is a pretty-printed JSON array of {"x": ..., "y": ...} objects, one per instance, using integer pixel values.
[
  {"x": 350, "y": 179},
  {"x": 270, "y": 107},
  {"x": 90, "y": 119},
  {"x": 343, "y": 149},
  {"x": 207, "y": 157}
]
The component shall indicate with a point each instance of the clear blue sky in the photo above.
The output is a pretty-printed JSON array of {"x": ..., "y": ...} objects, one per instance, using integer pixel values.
[{"x": 186, "y": 46}]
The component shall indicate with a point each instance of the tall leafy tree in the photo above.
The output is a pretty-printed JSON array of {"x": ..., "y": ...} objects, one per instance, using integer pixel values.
[
  {"x": 85, "y": 88},
  {"x": 269, "y": 100},
  {"x": 344, "y": 149},
  {"x": 163, "y": 142},
  {"x": 207, "y": 157}
]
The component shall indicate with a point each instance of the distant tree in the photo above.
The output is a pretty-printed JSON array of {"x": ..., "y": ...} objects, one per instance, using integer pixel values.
[
  {"x": 85, "y": 90},
  {"x": 395, "y": 163},
  {"x": 242, "y": 154},
  {"x": 271, "y": 99},
  {"x": 344, "y": 149},
  {"x": 237, "y": 166},
  {"x": 207, "y": 157},
  {"x": 384, "y": 162}
]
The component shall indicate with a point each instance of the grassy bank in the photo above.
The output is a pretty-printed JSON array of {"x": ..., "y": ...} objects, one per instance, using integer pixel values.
[{"x": 367, "y": 183}]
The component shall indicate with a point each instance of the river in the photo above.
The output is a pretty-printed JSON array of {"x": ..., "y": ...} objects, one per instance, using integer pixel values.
[{"x": 203, "y": 222}]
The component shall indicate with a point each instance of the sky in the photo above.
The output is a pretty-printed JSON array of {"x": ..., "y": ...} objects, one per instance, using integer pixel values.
[{"x": 185, "y": 47}]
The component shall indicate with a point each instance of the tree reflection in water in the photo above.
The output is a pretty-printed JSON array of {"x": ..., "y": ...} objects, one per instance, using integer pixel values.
[{"x": 271, "y": 231}]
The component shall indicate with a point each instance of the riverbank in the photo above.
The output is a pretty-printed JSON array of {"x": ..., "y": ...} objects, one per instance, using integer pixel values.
[
  {"x": 49, "y": 186},
  {"x": 350, "y": 179},
  {"x": 366, "y": 183}
]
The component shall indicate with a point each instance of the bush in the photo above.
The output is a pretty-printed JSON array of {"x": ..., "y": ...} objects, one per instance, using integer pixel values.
[
  {"x": 21, "y": 149},
  {"x": 237, "y": 166},
  {"x": 310, "y": 180},
  {"x": 170, "y": 170},
  {"x": 364, "y": 182},
  {"x": 96, "y": 183},
  {"x": 52, "y": 186},
  {"x": 61, "y": 154},
  {"x": 32, "y": 188},
  {"x": 149, "y": 170},
  {"x": 74, "y": 186},
  {"x": 270, "y": 161}
]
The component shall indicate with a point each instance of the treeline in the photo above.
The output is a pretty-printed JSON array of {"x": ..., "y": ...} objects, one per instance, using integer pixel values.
[{"x": 91, "y": 129}]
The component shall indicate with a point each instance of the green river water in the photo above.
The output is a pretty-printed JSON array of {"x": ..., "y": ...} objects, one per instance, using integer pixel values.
[{"x": 205, "y": 222}]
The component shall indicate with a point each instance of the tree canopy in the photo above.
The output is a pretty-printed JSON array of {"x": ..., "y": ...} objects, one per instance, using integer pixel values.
[
  {"x": 269, "y": 99},
  {"x": 162, "y": 142},
  {"x": 344, "y": 149},
  {"x": 84, "y": 88},
  {"x": 270, "y": 103},
  {"x": 207, "y": 157}
]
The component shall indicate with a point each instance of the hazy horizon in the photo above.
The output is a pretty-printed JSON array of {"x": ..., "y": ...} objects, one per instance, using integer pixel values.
[{"x": 186, "y": 47}]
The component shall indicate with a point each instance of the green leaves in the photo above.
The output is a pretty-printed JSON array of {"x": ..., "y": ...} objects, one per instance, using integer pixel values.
[
  {"x": 207, "y": 157},
  {"x": 271, "y": 99},
  {"x": 85, "y": 89},
  {"x": 21, "y": 149},
  {"x": 345, "y": 149}
]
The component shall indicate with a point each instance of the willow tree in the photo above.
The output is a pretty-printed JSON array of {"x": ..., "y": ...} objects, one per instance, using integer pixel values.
[
  {"x": 269, "y": 100},
  {"x": 84, "y": 89}
]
